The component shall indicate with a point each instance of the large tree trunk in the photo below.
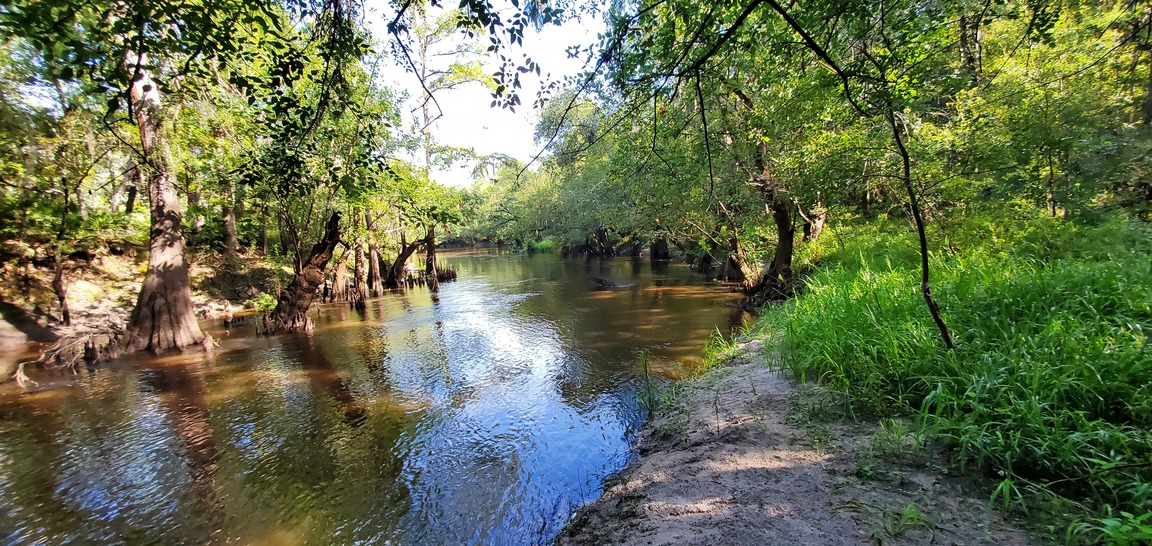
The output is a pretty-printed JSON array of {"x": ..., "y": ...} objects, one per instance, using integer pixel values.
[
  {"x": 776, "y": 277},
  {"x": 231, "y": 243},
  {"x": 395, "y": 277},
  {"x": 340, "y": 280},
  {"x": 775, "y": 280},
  {"x": 164, "y": 317},
  {"x": 359, "y": 275},
  {"x": 658, "y": 250},
  {"x": 133, "y": 190},
  {"x": 430, "y": 260},
  {"x": 780, "y": 271},
  {"x": 291, "y": 314},
  {"x": 375, "y": 285}
]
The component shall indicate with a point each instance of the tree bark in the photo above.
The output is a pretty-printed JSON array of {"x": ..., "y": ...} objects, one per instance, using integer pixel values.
[
  {"x": 658, "y": 250},
  {"x": 164, "y": 317},
  {"x": 395, "y": 277},
  {"x": 134, "y": 189},
  {"x": 780, "y": 271},
  {"x": 430, "y": 259},
  {"x": 375, "y": 285},
  {"x": 359, "y": 275},
  {"x": 291, "y": 313},
  {"x": 340, "y": 280},
  {"x": 231, "y": 243},
  {"x": 775, "y": 278}
]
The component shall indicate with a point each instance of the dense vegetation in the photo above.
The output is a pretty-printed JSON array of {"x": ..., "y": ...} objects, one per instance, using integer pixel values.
[{"x": 981, "y": 167}]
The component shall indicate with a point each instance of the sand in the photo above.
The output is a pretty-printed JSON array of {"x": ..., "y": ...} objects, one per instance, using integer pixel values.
[{"x": 744, "y": 455}]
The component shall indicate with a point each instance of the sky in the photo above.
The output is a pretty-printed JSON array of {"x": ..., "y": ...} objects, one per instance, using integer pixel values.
[{"x": 468, "y": 120}]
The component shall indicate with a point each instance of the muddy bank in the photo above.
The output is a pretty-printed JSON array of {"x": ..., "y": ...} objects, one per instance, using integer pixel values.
[{"x": 746, "y": 456}]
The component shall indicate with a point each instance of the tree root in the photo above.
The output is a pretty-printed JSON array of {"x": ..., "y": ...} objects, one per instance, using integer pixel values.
[{"x": 90, "y": 345}]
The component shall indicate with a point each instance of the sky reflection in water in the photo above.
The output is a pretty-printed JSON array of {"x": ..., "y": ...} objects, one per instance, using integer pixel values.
[{"x": 484, "y": 415}]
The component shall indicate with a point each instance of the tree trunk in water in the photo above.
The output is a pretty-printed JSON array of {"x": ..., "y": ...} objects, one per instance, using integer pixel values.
[
  {"x": 359, "y": 275},
  {"x": 291, "y": 314},
  {"x": 736, "y": 266},
  {"x": 707, "y": 260},
  {"x": 340, "y": 280},
  {"x": 914, "y": 203},
  {"x": 375, "y": 286},
  {"x": 164, "y": 317},
  {"x": 395, "y": 278},
  {"x": 658, "y": 250},
  {"x": 430, "y": 260}
]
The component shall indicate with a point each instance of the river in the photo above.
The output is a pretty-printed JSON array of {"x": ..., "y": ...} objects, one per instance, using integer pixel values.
[{"x": 483, "y": 415}]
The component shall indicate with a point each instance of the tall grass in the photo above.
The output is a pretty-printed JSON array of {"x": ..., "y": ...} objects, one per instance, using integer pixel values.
[{"x": 1051, "y": 382}]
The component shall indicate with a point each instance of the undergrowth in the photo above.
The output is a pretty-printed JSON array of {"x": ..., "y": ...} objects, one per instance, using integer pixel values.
[{"x": 1049, "y": 390}]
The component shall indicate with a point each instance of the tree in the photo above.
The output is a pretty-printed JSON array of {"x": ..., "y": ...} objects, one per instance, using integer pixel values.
[{"x": 129, "y": 52}]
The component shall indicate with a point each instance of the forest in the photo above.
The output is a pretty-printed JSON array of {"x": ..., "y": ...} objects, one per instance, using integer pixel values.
[{"x": 937, "y": 208}]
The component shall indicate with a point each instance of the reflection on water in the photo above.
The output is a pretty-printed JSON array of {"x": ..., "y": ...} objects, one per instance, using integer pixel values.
[{"x": 484, "y": 416}]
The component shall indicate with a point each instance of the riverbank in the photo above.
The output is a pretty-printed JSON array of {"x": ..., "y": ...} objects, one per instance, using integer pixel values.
[
  {"x": 745, "y": 455},
  {"x": 101, "y": 290}
]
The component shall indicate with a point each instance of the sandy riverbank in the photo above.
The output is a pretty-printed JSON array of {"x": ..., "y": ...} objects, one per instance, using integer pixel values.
[{"x": 746, "y": 456}]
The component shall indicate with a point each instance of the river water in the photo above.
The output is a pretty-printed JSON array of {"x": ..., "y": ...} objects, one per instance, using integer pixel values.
[{"x": 482, "y": 416}]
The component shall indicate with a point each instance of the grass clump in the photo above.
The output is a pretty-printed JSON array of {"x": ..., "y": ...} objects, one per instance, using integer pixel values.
[
  {"x": 546, "y": 246},
  {"x": 1051, "y": 381}
]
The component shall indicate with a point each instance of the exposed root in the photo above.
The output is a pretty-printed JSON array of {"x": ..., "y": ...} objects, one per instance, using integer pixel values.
[
  {"x": 89, "y": 345},
  {"x": 22, "y": 378}
]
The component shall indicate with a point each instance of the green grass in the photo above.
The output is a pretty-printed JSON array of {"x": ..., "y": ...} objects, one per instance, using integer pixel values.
[{"x": 1050, "y": 387}]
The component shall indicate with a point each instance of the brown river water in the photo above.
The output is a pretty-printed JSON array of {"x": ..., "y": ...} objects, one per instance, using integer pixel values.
[{"x": 485, "y": 415}]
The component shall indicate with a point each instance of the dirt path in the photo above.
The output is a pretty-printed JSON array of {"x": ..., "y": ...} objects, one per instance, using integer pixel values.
[{"x": 745, "y": 457}]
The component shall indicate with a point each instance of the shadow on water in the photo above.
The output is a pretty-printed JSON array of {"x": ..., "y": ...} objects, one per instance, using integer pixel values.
[{"x": 483, "y": 414}]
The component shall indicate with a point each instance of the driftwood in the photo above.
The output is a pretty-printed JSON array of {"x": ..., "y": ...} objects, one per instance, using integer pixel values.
[{"x": 89, "y": 345}]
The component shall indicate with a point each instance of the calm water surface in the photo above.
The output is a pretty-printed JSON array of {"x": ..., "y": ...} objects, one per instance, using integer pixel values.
[{"x": 483, "y": 416}]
